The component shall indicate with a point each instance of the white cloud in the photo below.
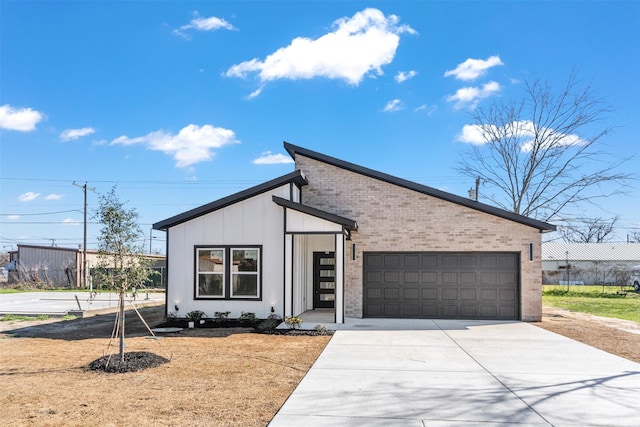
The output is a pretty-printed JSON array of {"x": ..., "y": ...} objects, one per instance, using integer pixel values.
[
  {"x": 393, "y": 105},
  {"x": 13, "y": 217},
  {"x": 198, "y": 23},
  {"x": 54, "y": 196},
  {"x": 69, "y": 134},
  {"x": 255, "y": 92},
  {"x": 524, "y": 131},
  {"x": 358, "y": 46},
  {"x": 471, "y": 96},
  {"x": 211, "y": 23},
  {"x": 403, "y": 77},
  {"x": 472, "y": 134},
  {"x": 22, "y": 119},
  {"x": 28, "y": 196},
  {"x": 71, "y": 221},
  {"x": 471, "y": 69},
  {"x": 193, "y": 144},
  {"x": 428, "y": 109},
  {"x": 267, "y": 158}
]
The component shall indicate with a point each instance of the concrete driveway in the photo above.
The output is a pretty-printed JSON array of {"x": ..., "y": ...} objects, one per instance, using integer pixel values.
[{"x": 381, "y": 372}]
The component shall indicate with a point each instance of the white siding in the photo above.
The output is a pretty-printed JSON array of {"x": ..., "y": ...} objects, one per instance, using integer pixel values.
[
  {"x": 254, "y": 221},
  {"x": 300, "y": 222}
]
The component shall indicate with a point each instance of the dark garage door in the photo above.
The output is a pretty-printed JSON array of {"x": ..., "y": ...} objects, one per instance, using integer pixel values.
[{"x": 438, "y": 285}]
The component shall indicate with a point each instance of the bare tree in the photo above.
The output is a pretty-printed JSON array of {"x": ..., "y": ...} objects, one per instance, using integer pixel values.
[
  {"x": 589, "y": 230},
  {"x": 540, "y": 155}
]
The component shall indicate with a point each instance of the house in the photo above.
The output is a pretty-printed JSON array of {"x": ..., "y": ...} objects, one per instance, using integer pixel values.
[
  {"x": 336, "y": 236},
  {"x": 589, "y": 263},
  {"x": 60, "y": 267}
]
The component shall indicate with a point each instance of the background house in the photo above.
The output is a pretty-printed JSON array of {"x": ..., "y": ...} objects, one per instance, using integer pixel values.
[
  {"x": 589, "y": 263},
  {"x": 56, "y": 266}
]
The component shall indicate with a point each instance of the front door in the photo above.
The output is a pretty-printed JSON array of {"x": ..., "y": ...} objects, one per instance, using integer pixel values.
[{"x": 324, "y": 279}]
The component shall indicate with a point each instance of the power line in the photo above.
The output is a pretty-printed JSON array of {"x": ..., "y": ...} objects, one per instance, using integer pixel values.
[{"x": 40, "y": 213}]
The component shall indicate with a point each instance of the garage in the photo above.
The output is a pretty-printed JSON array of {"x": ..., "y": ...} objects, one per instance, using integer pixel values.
[{"x": 442, "y": 285}]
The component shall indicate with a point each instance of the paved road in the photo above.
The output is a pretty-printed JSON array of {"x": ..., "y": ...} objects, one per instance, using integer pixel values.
[
  {"x": 61, "y": 303},
  {"x": 379, "y": 372}
]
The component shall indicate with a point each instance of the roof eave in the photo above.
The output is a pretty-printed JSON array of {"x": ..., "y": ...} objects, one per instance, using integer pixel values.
[
  {"x": 349, "y": 224},
  {"x": 472, "y": 204},
  {"x": 296, "y": 177}
]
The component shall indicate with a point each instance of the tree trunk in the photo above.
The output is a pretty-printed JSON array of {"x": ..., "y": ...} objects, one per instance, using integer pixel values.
[{"x": 121, "y": 329}]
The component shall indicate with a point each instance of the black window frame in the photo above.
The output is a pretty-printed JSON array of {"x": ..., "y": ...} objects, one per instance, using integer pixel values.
[{"x": 227, "y": 274}]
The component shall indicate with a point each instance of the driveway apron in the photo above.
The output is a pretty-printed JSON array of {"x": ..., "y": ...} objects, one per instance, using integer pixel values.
[{"x": 388, "y": 372}]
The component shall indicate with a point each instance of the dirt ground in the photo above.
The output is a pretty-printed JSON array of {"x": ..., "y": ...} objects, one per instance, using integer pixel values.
[
  {"x": 216, "y": 377},
  {"x": 620, "y": 337}
]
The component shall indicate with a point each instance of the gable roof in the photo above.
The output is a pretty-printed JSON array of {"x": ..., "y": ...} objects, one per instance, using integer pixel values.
[
  {"x": 295, "y": 177},
  {"x": 591, "y": 252},
  {"x": 492, "y": 210},
  {"x": 349, "y": 224}
]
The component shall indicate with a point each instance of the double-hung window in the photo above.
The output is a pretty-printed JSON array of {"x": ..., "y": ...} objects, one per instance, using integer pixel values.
[
  {"x": 210, "y": 272},
  {"x": 228, "y": 272}
]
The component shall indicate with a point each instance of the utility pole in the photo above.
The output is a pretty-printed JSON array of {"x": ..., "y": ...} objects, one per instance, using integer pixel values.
[
  {"x": 473, "y": 194},
  {"x": 83, "y": 273}
]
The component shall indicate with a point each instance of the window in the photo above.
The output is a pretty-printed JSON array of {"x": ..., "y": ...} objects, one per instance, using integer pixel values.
[
  {"x": 244, "y": 275},
  {"x": 210, "y": 272},
  {"x": 228, "y": 272}
]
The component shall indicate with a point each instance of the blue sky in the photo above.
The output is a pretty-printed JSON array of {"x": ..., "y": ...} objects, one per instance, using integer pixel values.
[{"x": 180, "y": 103}]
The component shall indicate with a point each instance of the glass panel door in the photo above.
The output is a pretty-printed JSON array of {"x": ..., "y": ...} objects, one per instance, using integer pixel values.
[{"x": 324, "y": 279}]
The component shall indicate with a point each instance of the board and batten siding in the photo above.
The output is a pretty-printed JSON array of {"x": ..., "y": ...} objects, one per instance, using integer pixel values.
[{"x": 254, "y": 221}]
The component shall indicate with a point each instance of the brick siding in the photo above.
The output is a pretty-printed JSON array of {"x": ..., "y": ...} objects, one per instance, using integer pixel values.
[{"x": 393, "y": 218}]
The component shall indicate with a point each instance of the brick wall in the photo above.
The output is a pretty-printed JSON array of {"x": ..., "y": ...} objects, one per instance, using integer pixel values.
[{"x": 392, "y": 218}]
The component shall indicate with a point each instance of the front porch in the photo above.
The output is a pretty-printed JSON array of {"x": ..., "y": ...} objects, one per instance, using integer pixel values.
[
  {"x": 313, "y": 318},
  {"x": 314, "y": 247}
]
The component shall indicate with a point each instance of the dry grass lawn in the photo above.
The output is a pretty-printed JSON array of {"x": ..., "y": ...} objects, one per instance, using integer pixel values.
[
  {"x": 215, "y": 377},
  {"x": 240, "y": 379}
]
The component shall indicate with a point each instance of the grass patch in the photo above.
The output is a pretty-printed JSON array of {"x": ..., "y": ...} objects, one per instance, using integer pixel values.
[
  {"x": 12, "y": 317},
  {"x": 19, "y": 317},
  {"x": 592, "y": 300}
]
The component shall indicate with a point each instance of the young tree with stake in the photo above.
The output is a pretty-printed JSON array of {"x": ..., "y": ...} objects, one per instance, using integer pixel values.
[{"x": 120, "y": 263}]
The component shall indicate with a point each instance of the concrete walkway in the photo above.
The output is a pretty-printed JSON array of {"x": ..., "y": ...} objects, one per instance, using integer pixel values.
[{"x": 380, "y": 372}]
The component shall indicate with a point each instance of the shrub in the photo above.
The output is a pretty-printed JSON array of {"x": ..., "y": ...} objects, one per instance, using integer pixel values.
[
  {"x": 322, "y": 329},
  {"x": 195, "y": 315},
  {"x": 248, "y": 317},
  {"x": 294, "y": 322},
  {"x": 221, "y": 315}
]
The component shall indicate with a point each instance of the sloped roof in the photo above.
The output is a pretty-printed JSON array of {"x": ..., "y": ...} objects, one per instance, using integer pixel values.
[
  {"x": 296, "y": 177},
  {"x": 349, "y": 224},
  {"x": 591, "y": 252},
  {"x": 492, "y": 210}
]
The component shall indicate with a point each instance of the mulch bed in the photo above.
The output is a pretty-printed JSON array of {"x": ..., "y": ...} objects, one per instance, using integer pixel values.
[
  {"x": 133, "y": 361},
  {"x": 261, "y": 326}
]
